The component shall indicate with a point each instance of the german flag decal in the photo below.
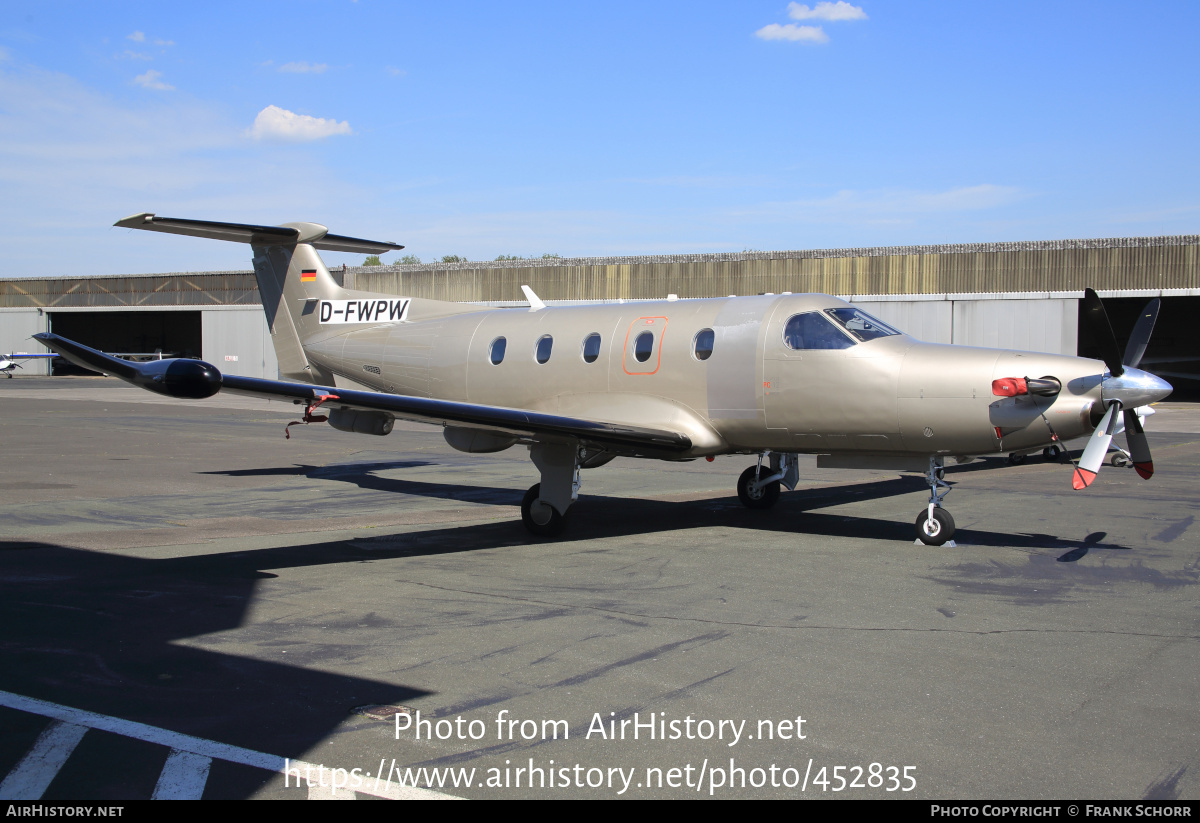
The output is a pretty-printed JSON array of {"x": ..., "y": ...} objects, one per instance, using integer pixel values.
[{"x": 308, "y": 276}]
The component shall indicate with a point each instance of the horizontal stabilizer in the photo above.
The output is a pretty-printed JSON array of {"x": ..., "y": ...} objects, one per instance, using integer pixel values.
[{"x": 312, "y": 233}]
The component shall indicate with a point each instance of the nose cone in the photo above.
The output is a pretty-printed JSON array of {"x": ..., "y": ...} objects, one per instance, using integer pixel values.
[{"x": 1135, "y": 388}]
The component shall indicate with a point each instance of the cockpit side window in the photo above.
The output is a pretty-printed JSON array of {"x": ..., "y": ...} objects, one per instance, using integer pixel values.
[
  {"x": 860, "y": 324},
  {"x": 814, "y": 331}
]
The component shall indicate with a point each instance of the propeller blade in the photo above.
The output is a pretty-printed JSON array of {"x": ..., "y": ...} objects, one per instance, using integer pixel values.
[
  {"x": 1097, "y": 447},
  {"x": 1097, "y": 320},
  {"x": 1141, "y": 335},
  {"x": 1139, "y": 449}
]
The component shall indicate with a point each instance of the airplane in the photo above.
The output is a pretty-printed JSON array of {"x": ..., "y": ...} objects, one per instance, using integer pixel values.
[
  {"x": 772, "y": 376},
  {"x": 9, "y": 364}
]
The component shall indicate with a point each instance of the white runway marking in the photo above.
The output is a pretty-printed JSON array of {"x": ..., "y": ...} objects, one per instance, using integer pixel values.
[
  {"x": 183, "y": 777},
  {"x": 186, "y": 770},
  {"x": 33, "y": 775}
]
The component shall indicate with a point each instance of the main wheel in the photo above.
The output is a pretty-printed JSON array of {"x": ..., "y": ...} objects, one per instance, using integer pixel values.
[
  {"x": 1120, "y": 461},
  {"x": 1053, "y": 453},
  {"x": 1015, "y": 459},
  {"x": 550, "y": 525},
  {"x": 936, "y": 530},
  {"x": 763, "y": 497}
]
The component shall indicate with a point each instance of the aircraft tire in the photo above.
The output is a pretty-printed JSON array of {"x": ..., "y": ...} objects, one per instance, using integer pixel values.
[
  {"x": 763, "y": 498},
  {"x": 937, "y": 531},
  {"x": 1120, "y": 461},
  {"x": 1015, "y": 459},
  {"x": 550, "y": 529},
  {"x": 1053, "y": 453}
]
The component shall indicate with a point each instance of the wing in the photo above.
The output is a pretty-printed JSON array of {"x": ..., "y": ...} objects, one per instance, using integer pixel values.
[{"x": 197, "y": 379}]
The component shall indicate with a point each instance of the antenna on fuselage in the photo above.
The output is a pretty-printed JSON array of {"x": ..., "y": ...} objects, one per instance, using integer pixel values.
[{"x": 535, "y": 302}]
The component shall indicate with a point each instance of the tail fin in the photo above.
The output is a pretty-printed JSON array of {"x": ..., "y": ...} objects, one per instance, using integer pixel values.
[{"x": 292, "y": 278}]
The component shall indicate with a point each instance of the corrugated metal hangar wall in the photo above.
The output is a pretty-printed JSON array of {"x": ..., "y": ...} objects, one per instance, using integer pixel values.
[{"x": 1011, "y": 295}]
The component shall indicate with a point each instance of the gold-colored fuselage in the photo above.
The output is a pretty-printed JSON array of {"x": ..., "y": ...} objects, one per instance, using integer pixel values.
[{"x": 892, "y": 395}]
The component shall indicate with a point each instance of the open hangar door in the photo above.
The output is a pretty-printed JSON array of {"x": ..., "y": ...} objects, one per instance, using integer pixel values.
[
  {"x": 175, "y": 333},
  {"x": 1174, "y": 350}
]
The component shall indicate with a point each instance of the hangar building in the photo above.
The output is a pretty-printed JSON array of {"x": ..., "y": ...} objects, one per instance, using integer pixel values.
[{"x": 1013, "y": 295}]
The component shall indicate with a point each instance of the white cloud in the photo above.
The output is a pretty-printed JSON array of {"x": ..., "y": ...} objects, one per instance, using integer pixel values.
[
  {"x": 164, "y": 42},
  {"x": 137, "y": 55},
  {"x": 274, "y": 123},
  {"x": 804, "y": 34},
  {"x": 73, "y": 160},
  {"x": 304, "y": 67},
  {"x": 395, "y": 72},
  {"x": 841, "y": 10},
  {"x": 137, "y": 37},
  {"x": 152, "y": 80}
]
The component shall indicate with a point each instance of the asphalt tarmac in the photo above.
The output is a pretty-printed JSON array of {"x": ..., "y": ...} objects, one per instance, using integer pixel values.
[{"x": 184, "y": 566}]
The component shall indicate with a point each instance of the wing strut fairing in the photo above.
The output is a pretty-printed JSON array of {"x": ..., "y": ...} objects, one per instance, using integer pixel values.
[{"x": 197, "y": 379}]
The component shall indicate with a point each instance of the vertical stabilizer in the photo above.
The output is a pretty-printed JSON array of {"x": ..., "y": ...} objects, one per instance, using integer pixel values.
[
  {"x": 292, "y": 279},
  {"x": 302, "y": 301}
]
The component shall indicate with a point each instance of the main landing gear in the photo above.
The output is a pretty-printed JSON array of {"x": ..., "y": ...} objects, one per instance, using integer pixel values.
[
  {"x": 935, "y": 526},
  {"x": 544, "y": 513},
  {"x": 758, "y": 487}
]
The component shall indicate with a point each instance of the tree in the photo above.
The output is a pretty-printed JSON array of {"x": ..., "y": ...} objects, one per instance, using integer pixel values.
[
  {"x": 453, "y": 258},
  {"x": 551, "y": 256},
  {"x": 509, "y": 257},
  {"x": 410, "y": 258},
  {"x": 373, "y": 260}
]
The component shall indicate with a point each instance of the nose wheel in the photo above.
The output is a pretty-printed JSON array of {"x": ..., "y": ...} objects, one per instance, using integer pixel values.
[
  {"x": 935, "y": 526},
  {"x": 935, "y": 530}
]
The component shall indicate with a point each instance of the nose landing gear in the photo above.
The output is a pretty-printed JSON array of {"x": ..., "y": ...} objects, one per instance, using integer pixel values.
[{"x": 935, "y": 526}]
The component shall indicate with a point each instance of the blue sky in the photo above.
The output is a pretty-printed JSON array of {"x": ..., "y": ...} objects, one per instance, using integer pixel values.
[{"x": 591, "y": 129}]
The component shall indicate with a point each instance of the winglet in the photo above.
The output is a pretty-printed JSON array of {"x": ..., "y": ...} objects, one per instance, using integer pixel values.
[{"x": 535, "y": 302}]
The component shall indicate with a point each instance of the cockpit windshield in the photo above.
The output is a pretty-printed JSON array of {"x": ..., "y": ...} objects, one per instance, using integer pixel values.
[{"x": 860, "y": 324}]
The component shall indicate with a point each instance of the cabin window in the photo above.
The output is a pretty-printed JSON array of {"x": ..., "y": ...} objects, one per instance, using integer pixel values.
[
  {"x": 814, "y": 331},
  {"x": 542, "y": 352},
  {"x": 591, "y": 348},
  {"x": 497, "y": 352},
  {"x": 702, "y": 346},
  {"x": 860, "y": 324},
  {"x": 643, "y": 346}
]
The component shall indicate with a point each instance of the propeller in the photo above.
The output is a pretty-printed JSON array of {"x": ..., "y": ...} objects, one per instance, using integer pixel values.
[
  {"x": 1123, "y": 389},
  {"x": 1135, "y": 436},
  {"x": 1097, "y": 320}
]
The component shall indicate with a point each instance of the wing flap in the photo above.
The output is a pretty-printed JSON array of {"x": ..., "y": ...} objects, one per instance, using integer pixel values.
[{"x": 522, "y": 423}]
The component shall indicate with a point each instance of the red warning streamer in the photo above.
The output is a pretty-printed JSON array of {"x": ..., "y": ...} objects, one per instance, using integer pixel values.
[{"x": 309, "y": 417}]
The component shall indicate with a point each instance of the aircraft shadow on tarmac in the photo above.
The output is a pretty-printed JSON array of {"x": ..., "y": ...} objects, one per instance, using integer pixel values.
[
  {"x": 599, "y": 517},
  {"x": 98, "y": 631}
]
